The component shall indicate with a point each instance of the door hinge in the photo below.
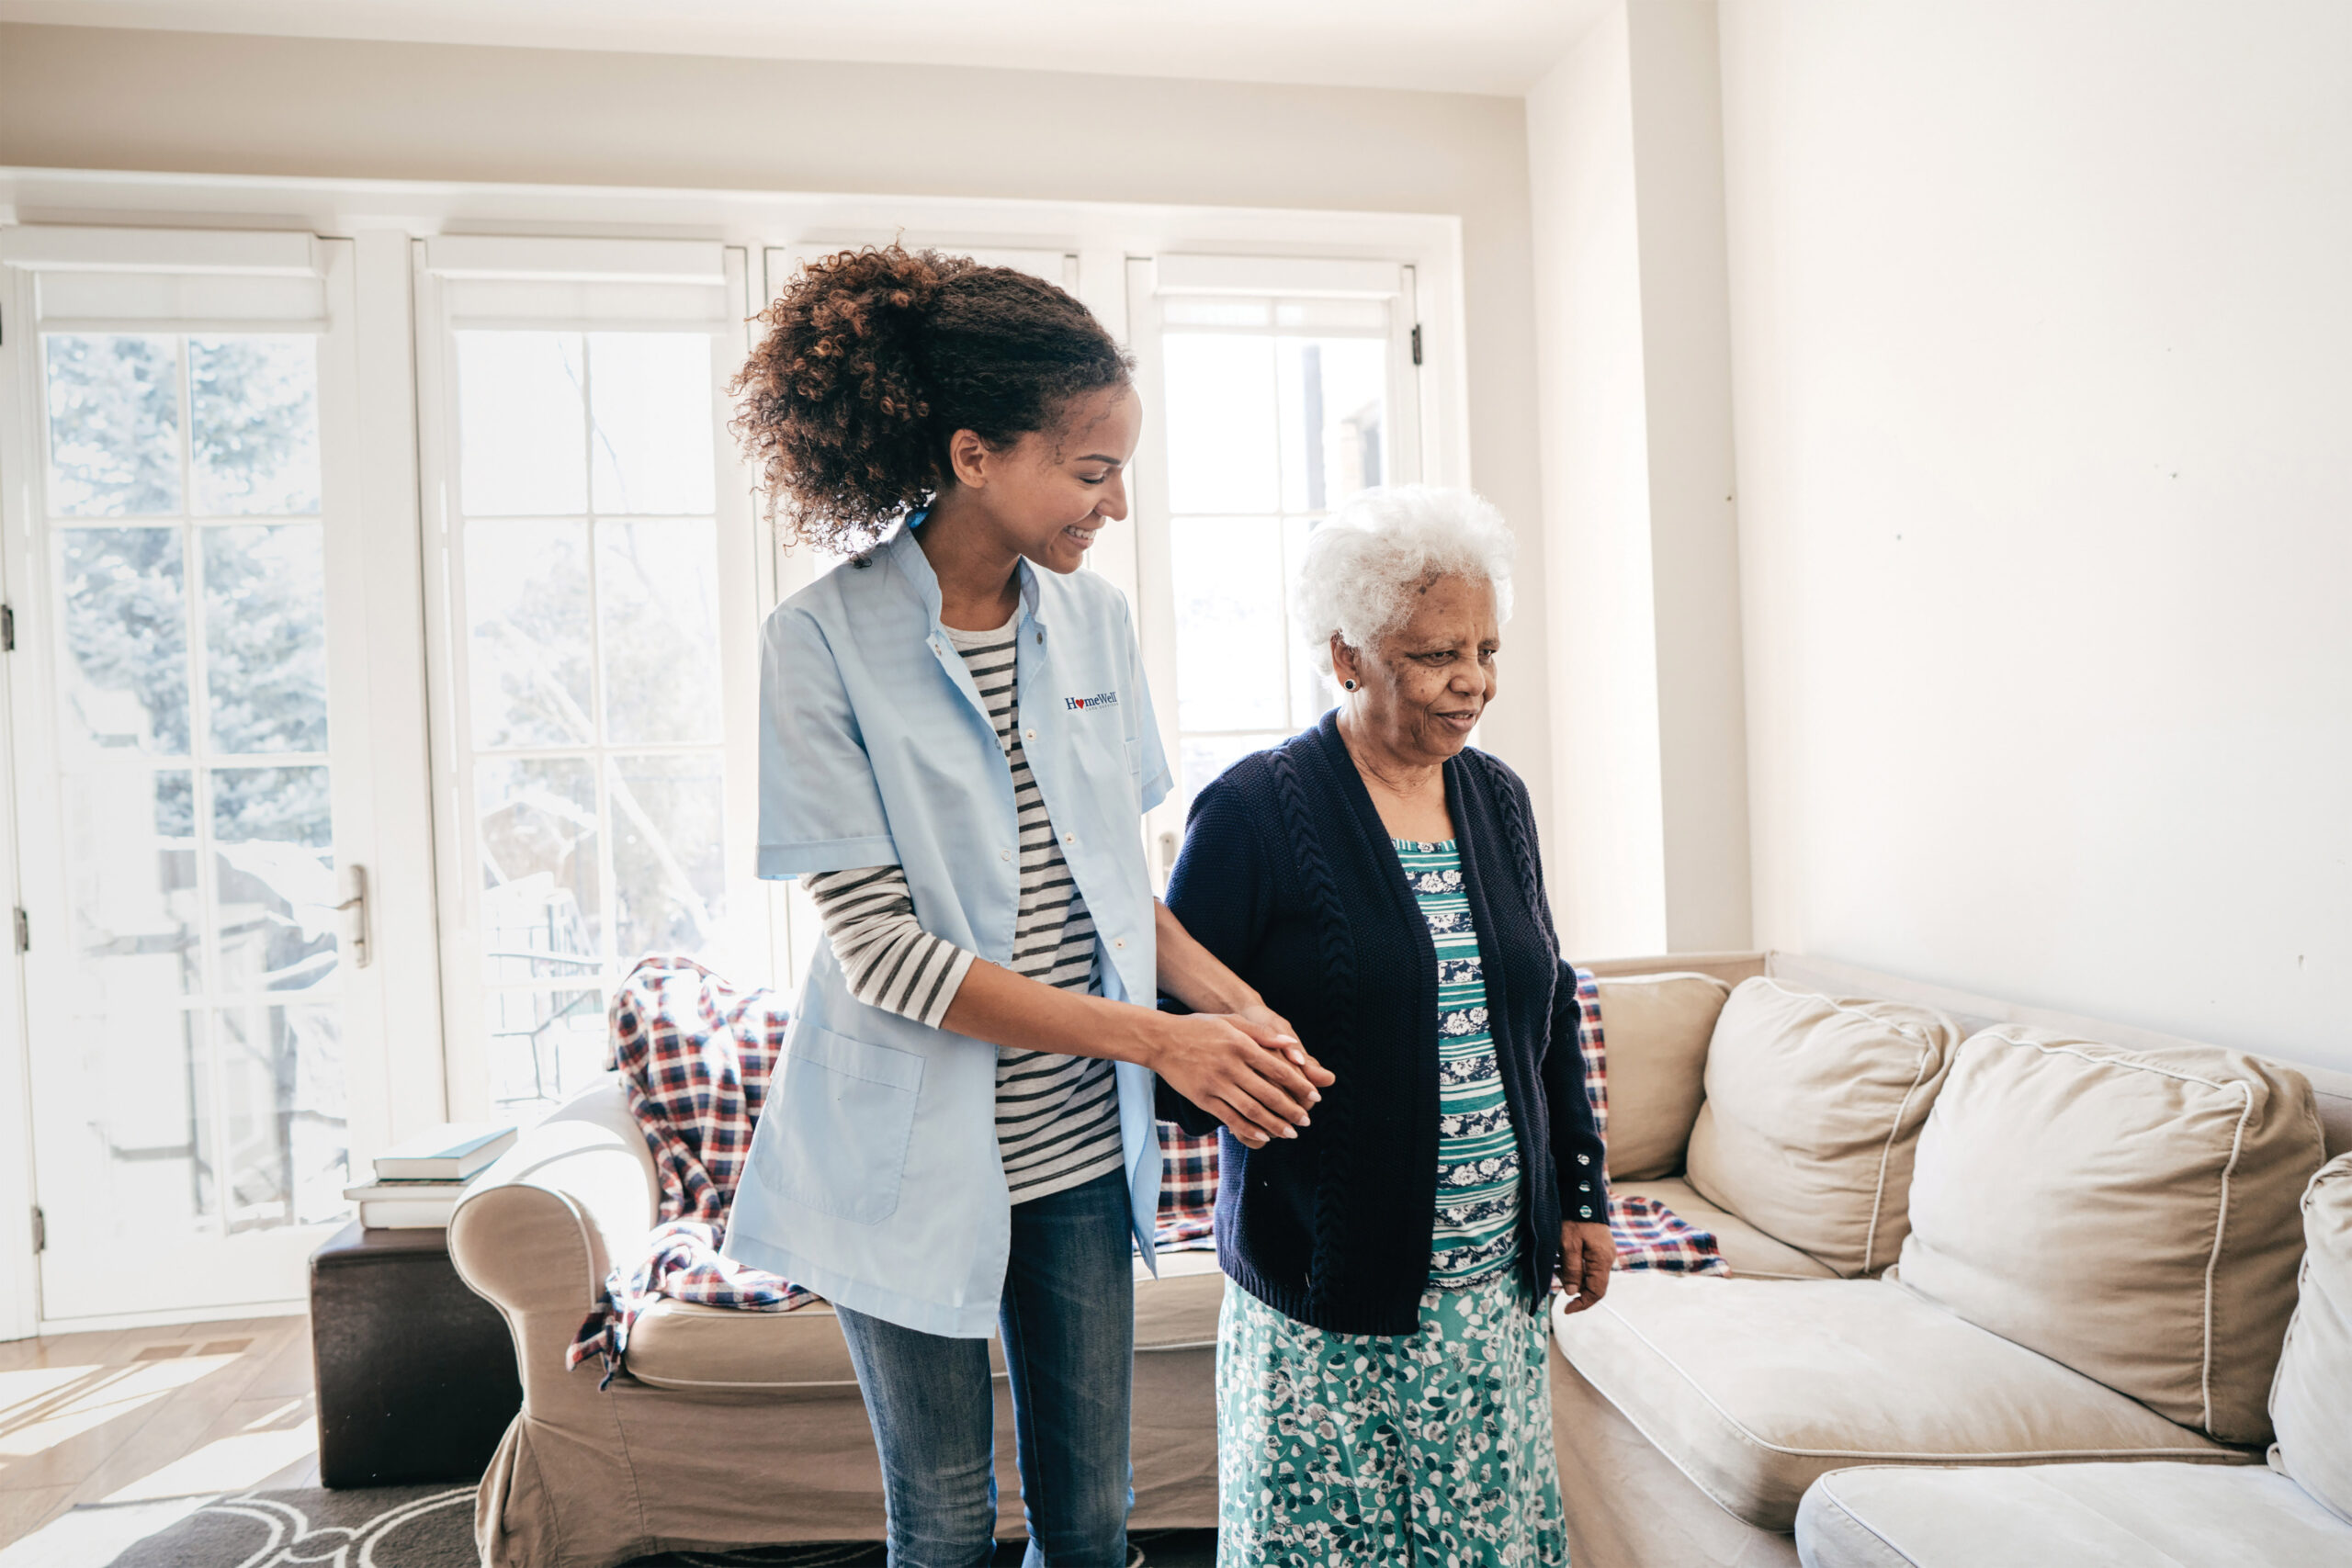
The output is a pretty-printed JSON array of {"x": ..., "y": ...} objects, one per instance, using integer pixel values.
[
  {"x": 24, "y": 931},
  {"x": 1417, "y": 343},
  {"x": 40, "y": 1230},
  {"x": 8, "y": 628}
]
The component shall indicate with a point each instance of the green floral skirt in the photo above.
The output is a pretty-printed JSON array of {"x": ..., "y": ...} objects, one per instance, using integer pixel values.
[{"x": 1351, "y": 1451}]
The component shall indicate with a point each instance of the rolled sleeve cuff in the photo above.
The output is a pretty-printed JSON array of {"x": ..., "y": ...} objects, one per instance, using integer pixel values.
[
  {"x": 782, "y": 862},
  {"x": 1158, "y": 789}
]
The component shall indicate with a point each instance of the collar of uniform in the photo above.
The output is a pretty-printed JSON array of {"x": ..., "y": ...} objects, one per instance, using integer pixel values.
[{"x": 915, "y": 570}]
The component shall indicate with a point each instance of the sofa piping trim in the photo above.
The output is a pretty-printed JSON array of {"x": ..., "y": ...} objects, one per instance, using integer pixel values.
[
  {"x": 2193, "y": 1456},
  {"x": 1829, "y": 1496},
  {"x": 2222, "y": 1211},
  {"x": 1885, "y": 1157}
]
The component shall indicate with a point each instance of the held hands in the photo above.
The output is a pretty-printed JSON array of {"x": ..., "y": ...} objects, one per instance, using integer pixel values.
[
  {"x": 1246, "y": 1068},
  {"x": 1588, "y": 1252}
]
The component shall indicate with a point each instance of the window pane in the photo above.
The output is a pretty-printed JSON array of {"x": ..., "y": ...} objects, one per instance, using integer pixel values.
[
  {"x": 284, "y": 806},
  {"x": 265, "y": 637},
  {"x": 523, "y": 442},
  {"x": 541, "y": 916},
  {"x": 1334, "y": 397},
  {"x": 1221, "y": 447},
  {"x": 274, "y": 878},
  {"x": 125, "y": 679},
  {"x": 668, "y": 853},
  {"x": 658, "y": 596},
  {"x": 253, "y": 402},
  {"x": 652, "y": 449},
  {"x": 145, "y": 1089},
  {"x": 1231, "y": 645},
  {"x": 282, "y": 1149},
  {"x": 528, "y": 597},
  {"x": 114, "y": 425},
  {"x": 544, "y": 1045},
  {"x": 130, "y": 843}
]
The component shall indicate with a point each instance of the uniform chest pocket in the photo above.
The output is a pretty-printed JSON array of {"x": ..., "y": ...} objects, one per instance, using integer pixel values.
[
  {"x": 846, "y": 1112},
  {"x": 1135, "y": 757}
]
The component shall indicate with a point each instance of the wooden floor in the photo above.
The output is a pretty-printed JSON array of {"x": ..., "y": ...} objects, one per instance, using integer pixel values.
[{"x": 149, "y": 1413}]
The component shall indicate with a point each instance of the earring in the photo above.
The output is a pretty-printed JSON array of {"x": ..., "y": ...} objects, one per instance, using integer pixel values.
[{"x": 1350, "y": 685}]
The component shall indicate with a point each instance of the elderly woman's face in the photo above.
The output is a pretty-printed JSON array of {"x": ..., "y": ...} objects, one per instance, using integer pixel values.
[{"x": 1427, "y": 682}]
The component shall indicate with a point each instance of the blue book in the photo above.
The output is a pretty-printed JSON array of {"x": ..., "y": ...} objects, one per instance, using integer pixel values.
[{"x": 448, "y": 1153}]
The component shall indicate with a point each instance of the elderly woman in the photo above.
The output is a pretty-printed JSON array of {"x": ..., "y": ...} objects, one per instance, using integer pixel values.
[{"x": 1382, "y": 1384}]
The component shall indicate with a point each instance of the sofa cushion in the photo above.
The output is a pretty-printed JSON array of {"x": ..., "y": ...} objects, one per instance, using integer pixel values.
[
  {"x": 2131, "y": 1213},
  {"x": 1813, "y": 1110},
  {"x": 2115, "y": 1516},
  {"x": 684, "y": 1345},
  {"x": 1755, "y": 1387},
  {"x": 2308, "y": 1399},
  {"x": 1749, "y": 1253},
  {"x": 1658, "y": 1026}
]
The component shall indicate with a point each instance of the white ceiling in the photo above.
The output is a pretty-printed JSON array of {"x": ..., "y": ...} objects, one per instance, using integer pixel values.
[{"x": 1475, "y": 46}]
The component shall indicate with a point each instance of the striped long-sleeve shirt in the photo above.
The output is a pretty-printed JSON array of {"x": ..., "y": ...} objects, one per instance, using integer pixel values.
[{"x": 1056, "y": 1117}]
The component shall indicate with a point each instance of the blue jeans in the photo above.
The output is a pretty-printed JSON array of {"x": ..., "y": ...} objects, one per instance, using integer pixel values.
[{"x": 1068, "y": 1325}]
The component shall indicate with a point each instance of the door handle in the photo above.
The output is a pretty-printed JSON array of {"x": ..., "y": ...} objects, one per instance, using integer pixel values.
[{"x": 356, "y": 906}]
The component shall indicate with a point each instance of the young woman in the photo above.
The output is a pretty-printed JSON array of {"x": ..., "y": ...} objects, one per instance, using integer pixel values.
[{"x": 955, "y": 751}]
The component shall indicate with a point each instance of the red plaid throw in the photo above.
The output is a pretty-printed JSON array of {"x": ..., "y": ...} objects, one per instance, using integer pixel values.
[
  {"x": 695, "y": 1055},
  {"x": 1648, "y": 1233},
  {"x": 1187, "y": 1191}
]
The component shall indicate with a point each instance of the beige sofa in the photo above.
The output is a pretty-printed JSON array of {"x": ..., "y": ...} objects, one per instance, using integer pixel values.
[
  {"x": 1962, "y": 1234},
  {"x": 728, "y": 1430},
  {"x": 2297, "y": 1512}
]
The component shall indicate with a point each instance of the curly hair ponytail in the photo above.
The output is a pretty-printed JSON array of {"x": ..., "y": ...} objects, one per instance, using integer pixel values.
[{"x": 875, "y": 359}]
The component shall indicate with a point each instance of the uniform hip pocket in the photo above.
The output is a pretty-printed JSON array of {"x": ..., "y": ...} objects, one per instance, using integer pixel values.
[{"x": 847, "y": 1111}]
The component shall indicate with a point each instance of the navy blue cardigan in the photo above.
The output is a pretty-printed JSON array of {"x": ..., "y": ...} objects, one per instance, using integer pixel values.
[{"x": 1288, "y": 877}]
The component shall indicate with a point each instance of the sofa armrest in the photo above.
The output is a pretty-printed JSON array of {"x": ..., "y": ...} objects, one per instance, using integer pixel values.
[{"x": 538, "y": 1231}]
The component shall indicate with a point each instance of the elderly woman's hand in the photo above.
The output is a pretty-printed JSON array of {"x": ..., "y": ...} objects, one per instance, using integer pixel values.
[{"x": 1588, "y": 1252}]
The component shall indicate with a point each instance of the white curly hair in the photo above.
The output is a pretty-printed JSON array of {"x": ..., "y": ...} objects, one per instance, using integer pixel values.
[{"x": 1366, "y": 561}]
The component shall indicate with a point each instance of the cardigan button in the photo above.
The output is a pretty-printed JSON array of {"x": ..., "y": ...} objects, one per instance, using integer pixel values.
[
  {"x": 1586, "y": 1212},
  {"x": 1584, "y": 1186},
  {"x": 1584, "y": 1160}
]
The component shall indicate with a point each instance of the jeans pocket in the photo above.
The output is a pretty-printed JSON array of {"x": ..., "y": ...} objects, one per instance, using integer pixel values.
[{"x": 848, "y": 1114}]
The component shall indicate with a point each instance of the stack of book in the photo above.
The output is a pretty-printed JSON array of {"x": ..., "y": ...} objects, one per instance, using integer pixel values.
[{"x": 418, "y": 1182}]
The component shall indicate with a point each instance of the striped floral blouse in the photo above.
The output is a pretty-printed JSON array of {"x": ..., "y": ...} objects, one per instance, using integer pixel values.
[{"x": 1475, "y": 1236}]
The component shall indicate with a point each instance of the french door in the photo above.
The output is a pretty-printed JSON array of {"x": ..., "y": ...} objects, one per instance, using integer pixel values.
[
  {"x": 594, "y": 593},
  {"x": 195, "y": 804}
]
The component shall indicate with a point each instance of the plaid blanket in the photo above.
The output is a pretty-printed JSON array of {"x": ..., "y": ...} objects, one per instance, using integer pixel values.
[
  {"x": 1187, "y": 1191},
  {"x": 1648, "y": 1233},
  {"x": 695, "y": 1056}
]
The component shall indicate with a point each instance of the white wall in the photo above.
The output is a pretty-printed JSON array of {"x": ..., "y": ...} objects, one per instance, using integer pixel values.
[
  {"x": 1648, "y": 742},
  {"x": 2043, "y": 330},
  {"x": 104, "y": 98}
]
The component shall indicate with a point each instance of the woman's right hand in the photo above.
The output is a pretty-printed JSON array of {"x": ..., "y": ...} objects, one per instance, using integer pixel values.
[{"x": 1260, "y": 1091}]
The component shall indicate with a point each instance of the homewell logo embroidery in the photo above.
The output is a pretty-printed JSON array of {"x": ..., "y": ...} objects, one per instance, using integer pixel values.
[{"x": 1099, "y": 700}]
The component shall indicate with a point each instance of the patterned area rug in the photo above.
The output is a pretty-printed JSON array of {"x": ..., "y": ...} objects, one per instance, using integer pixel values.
[{"x": 419, "y": 1527}]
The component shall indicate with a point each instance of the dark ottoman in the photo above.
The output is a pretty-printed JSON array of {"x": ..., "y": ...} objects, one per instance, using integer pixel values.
[{"x": 415, "y": 1372}]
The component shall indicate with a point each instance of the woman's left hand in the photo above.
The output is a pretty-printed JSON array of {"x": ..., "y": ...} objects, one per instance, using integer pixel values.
[{"x": 1588, "y": 1252}]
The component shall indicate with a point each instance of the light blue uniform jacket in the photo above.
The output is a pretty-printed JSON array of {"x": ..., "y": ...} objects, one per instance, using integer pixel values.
[{"x": 873, "y": 1177}]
